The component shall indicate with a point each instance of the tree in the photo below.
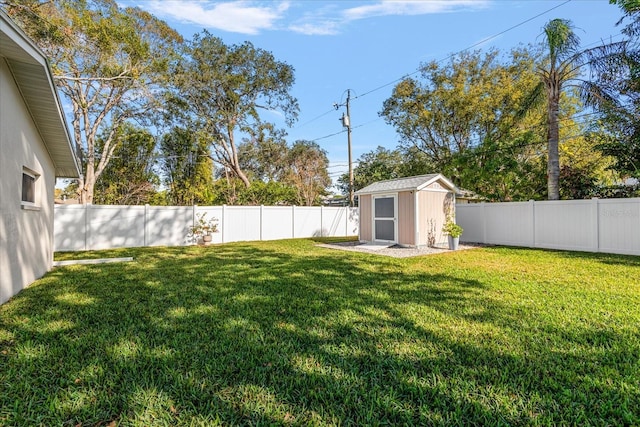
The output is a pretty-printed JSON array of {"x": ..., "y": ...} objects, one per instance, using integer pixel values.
[
  {"x": 308, "y": 172},
  {"x": 619, "y": 127},
  {"x": 129, "y": 178},
  {"x": 265, "y": 157},
  {"x": 234, "y": 192},
  {"x": 220, "y": 90},
  {"x": 459, "y": 105},
  {"x": 462, "y": 119},
  {"x": 187, "y": 168},
  {"x": 561, "y": 70},
  {"x": 109, "y": 63},
  {"x": 376, "y": 165}
]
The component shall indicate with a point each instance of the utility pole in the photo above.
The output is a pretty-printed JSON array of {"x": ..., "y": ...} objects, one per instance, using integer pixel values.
[
  {"x": 349, "y": 148},
  {"x": 346, "y": 122}
]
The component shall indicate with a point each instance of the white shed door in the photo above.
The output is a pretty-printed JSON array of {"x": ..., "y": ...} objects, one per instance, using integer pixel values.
[{"x": 384, "y": 218}]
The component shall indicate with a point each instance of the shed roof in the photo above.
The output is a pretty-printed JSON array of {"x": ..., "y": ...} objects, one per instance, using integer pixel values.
[
  {"x": 411, "y": 183},
  {"x": 32, "y": 74}
]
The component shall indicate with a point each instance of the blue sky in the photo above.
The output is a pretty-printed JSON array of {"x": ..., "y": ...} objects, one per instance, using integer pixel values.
[{"x": 366, "y": 46}]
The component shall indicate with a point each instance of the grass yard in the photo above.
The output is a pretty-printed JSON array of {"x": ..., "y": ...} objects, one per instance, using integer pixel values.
[{"x": 284, "y": 332}]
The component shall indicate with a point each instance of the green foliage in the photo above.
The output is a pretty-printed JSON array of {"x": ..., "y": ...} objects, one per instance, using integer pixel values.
[
  {"x": 187, "y": 168},
  {"x": 204, "y": 226},
  {"x": 456, "y": 106},
  {"x": 507, "y": 170},
  {"x": 620, "y": 122},
  {"x": 286, "y": 332},
  {"x": 307, "y": 172},
  {"x": 576, "y": 183},
  {"x": 265, "y": 157},
  {"x": 219, "y": 91},
  {"x": 465, "y": 120},
  {"x": 451, "y": 228},
  {"x": 376, "y": 165},
  {"x": 109, "y": 62},
  {"x": 129, "y": 178},
  {"x": 234, "y": 192}
]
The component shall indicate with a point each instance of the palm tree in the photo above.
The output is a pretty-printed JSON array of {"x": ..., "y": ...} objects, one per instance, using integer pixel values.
[{"x": 564, "y": 68}]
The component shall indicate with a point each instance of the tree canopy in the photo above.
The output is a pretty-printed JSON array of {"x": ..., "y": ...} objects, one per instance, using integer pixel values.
[
  {"x": 129, "y": 178},
  {"x": 220, "y": 90},
  {"x": 108, "y": 61}
]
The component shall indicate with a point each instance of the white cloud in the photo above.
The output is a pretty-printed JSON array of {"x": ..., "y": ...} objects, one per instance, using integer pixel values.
[
  {"x": 324, "y": 28},
  {"x": 320, "y": 18},
  {"x": 328, "y": 20},
  {"x": 410, "y": 7},
  {"x": 239, "y": 17}
]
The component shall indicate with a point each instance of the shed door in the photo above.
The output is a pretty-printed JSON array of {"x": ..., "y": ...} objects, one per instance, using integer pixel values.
[{"x": 384, "y": 218}]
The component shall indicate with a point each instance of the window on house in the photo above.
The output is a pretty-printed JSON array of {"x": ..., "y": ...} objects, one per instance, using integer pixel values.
[{"x": 29, "y": 179}]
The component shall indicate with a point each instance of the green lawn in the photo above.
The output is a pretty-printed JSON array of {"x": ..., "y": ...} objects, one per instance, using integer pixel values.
[{"x": 289, "y": 333}]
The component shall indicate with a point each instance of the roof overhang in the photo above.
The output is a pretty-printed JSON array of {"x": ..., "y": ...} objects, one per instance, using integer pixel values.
[
  {"x": 439, "y": 178},
  {"x": 422, "y": 186},
  {"x": 32, "y": 74}
]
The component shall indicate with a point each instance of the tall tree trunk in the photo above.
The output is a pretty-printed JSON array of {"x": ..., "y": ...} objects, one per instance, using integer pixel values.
[{"x": 553, "y": 136}]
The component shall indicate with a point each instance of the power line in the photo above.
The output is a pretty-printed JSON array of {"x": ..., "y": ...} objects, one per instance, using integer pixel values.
[
  {"x": 467, "y": 48},
  {"x": 314, "y": 119},
  {"x": 439, "y": 61}
]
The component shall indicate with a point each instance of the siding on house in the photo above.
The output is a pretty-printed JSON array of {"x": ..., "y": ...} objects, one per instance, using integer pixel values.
[
  {"x": 406, "y": 218},
  {"x": 26, "y": 235},
  {"x": 364, "y": 201}
]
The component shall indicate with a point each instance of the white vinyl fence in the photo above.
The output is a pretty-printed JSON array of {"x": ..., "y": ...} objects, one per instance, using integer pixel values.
[
  {"x": 89, "y": 227},
  {"x": 596, "y": 225}
]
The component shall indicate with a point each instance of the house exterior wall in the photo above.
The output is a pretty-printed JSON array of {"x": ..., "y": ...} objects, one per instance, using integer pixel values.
[
  {"x": 364, "y": 202},
  {"x": 406, "y": 218},
  {"x": 433, "y": 204},
  {"x": 26, "y": 232}
]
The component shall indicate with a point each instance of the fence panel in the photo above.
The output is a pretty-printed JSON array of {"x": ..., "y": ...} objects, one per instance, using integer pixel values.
[
  {"x": 88, "y": 227},
  {"x": 277, "y": 222},
  {"x": 69, "y": 231},
  {"x": 619, "y": 226},
  {"x": 335, "y": 222},
  {"x": 568, "y": 224},
  {"x": 610, "y": 225},
  {"x": 240, "y": 223},
  {"x": 471, "y": 218},
  {"x": 307, "y": 222},
  {"x": 115, "y": 226},
  {"x": 509, "y": 223},
  {"x": 168, "y": 225}
]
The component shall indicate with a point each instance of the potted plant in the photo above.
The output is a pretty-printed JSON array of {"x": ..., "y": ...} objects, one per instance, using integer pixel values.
[
  {"x": 203, "y": 228},
  {"x": 454, "y": 231}
]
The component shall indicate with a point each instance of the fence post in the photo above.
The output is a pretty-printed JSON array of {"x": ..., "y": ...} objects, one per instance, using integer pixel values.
[
  {"x": 484, "y": 223},
  {"x": 293, "y": 221},
  {"x": 84, "y": 247},
  {"x": 321, "y": 233},
  {"x": 347, "y": 211},
  {"x": 595, "y": 240},
  {"x": 532, "y": 203},
  {"x": 224, "y": 222},
  {"x": 146, "y": 224},
  {"x": 261, "y": 220},
  {"x": 87, "y": 223}
]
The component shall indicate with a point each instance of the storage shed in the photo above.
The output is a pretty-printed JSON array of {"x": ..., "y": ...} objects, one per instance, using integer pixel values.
[{"x": 406, "y": 211}]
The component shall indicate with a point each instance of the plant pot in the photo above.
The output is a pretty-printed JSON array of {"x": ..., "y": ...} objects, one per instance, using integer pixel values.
[
  {"x": 453, "y": 243},
  {"x": 206, "y": 239}
]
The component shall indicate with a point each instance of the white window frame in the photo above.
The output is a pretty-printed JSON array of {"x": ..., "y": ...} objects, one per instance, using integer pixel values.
[{"x": 26, "y": 204}]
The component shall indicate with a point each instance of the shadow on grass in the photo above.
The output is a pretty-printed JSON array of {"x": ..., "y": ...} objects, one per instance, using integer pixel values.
[{"x": 283, "y": 333}]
